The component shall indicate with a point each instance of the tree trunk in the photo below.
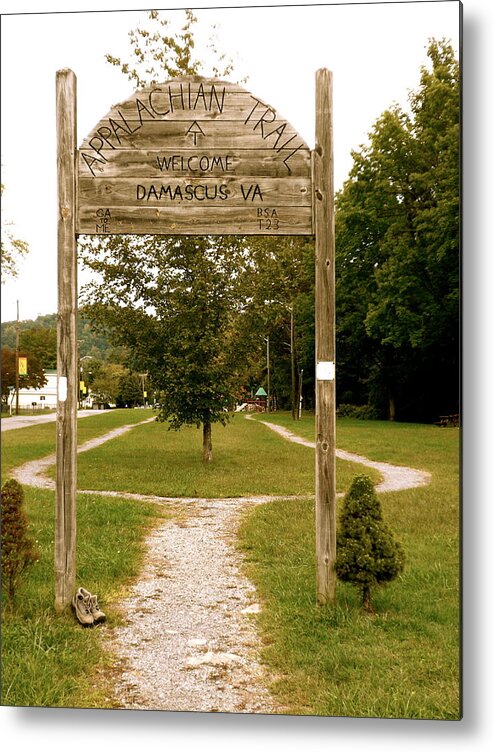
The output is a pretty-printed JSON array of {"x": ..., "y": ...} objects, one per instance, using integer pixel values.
[
  {"x": 392, "y": 408},
  {"x": 366, "y": 599},
  {"x": 207, "y": 446}
]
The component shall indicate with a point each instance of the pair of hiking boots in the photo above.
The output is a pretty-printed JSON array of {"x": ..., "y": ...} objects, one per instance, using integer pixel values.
[{"x": 86, "y": 608}]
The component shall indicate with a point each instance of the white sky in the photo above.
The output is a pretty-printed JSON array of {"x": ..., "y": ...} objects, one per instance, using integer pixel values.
[{"x": 374, "y": 50}]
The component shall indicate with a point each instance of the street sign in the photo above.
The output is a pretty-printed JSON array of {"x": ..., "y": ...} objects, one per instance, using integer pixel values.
[{"x": 194, "y": 156}]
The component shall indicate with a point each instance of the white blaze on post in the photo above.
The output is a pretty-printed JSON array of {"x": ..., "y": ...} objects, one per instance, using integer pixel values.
[
  {"x": 62, "y": 388},
  {"x": 325, "y": 370}
]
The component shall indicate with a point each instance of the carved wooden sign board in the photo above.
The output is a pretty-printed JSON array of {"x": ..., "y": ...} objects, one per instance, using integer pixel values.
[{"x": 194, "y": 156}]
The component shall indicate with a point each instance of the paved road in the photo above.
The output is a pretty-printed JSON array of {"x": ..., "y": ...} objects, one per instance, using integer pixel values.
[{"x": 22, "y": 421}]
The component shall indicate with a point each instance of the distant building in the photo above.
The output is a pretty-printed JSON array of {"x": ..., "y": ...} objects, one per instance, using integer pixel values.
[{"x": 39, "y": 399}]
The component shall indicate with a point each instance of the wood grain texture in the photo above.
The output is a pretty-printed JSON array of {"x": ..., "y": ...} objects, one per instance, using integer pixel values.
[
  {"x": 325, "y": 341},
  {"x": 192, "y": 192},
  {"x": 181, "y": 98},
  {"x": 224, "y": 133},
  {"x": 208, "y": 99},
  {"x": 124, "y": 163},
  {"x": 65, "y": 512},
  {"x": 193, "y": 221},
  {"x": 186, "y": 129}
]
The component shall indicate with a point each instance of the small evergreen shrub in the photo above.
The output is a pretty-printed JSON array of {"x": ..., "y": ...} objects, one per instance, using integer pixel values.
[
  {"x": 18, "y": 550},
  {"x": 367, "y": 554}
]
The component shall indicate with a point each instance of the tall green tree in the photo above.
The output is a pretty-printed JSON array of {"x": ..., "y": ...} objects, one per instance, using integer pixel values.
[
  {"x": 104, "y": 381},
  {"x": 42, "y": 343},
  {"x": 169, "y": 300},
  {"x": 397, "y": 231},
  {"x": 177, "y": 317},
  {"x": 279, "y": 304},
  {"x": 130, "y": 391},
  {"x": 175, "y": 314}
]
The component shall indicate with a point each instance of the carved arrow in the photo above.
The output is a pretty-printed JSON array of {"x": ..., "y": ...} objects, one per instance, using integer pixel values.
[{"x": 195, "y": 129}]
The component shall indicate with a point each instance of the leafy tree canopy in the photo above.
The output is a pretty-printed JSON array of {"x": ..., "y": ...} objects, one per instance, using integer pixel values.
[
  {"x": 35, "y": 377},
  {"x": 161, "y": 48},
  {"x": 397, "y": 234},
  {"x": 176, "y": 316},
  {"x": 40, "y": 334},
  {"x": 42, "y": 343}
]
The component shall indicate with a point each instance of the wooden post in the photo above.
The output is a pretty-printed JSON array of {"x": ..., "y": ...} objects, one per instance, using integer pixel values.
[
  {"x": 268, "y": 399},
  {"x": 17, "y": 362},
  {"x": 65, "y": 512},
  {"x": 292, "y": 362},
  {"x": 325, "y": 341}
]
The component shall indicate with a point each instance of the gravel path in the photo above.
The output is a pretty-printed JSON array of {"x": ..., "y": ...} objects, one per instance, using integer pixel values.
[
  {"x": 395, "y": 477},
  {"x": 33, "y": 473},
  {"x": 23, "y": 421},
  {"x": 189, "y": 640}
]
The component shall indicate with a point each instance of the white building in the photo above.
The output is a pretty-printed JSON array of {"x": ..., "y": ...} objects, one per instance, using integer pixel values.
[{"x": 39, "y": 399}]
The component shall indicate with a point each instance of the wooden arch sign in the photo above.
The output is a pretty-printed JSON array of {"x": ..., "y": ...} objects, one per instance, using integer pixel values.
[{"x": 193, "y": 156}]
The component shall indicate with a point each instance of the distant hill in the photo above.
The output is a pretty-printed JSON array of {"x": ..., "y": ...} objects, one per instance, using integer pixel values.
[{"x": 90, "y": 343}]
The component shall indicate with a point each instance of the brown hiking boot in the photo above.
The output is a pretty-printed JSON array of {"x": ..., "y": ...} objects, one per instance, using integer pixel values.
[
  {"x": 97, "y": 613},
  {"x": 81, "y": 606}
]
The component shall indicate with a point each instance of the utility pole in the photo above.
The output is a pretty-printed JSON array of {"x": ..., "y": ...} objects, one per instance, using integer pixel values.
[
  {"x": 17, "y": 362},
  {"x": 325, "y": 341},
  {"x": 267, "y": 358},
  {"x": 143, "y": 377},
  {"x": 67, "y": 365},
  {"x": 292, "y": 357}
]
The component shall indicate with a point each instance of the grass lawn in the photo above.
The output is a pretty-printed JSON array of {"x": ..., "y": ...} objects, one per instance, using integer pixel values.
[
  {"x": 402, "y": 662},
  {"x": 45, "y": 658},
  {"x": 33, "y": 442},
  {"x": 249, "y": 459}
]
